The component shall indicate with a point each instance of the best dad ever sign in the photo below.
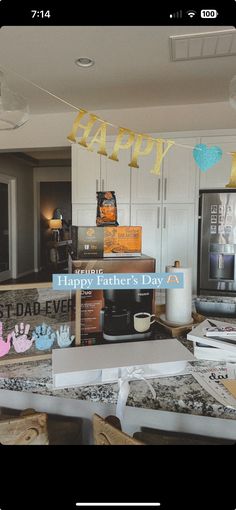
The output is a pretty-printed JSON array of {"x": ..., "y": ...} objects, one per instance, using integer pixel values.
[{"x": 33, "y": 308}]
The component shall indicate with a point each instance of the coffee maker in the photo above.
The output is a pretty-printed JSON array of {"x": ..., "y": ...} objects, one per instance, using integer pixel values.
[{"x": 127, "y": 314}]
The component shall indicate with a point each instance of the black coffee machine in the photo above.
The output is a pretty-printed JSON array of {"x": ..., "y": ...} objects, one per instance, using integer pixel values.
[{"x": 127, "y": 314}]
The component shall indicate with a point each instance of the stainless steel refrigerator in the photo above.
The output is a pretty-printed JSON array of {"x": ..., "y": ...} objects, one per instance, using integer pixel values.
[{"x": 217, "y": 243}]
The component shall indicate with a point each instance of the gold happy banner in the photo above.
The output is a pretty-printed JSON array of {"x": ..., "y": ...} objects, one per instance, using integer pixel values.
[
  {"x": 125, "y": 138},
  {"x": 232, "y": 181}
]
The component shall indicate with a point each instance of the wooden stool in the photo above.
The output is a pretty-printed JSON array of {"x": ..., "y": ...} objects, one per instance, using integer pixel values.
[
  {"x": 107, "y": 431},
  {"x": 29, "y": 428}
]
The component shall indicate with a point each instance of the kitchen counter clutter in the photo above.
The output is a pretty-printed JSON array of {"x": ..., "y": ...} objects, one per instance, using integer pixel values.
[{"x": 178, "y": 394}]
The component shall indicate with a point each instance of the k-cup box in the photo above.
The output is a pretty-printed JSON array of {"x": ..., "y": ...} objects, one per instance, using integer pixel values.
[{"x": 99, "y": 242}]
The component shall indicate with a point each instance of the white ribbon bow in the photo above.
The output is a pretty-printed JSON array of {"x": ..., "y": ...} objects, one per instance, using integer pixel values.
[{"x": 124, "y": 388}]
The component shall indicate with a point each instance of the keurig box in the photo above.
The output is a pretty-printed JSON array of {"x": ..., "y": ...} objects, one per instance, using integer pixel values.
[{"x": 115, "y": 315}]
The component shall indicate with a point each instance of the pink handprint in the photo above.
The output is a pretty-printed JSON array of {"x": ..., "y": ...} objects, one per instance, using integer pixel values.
[
  {"x": 20, "y": 339},
  {"x": 4, "y": 346}
]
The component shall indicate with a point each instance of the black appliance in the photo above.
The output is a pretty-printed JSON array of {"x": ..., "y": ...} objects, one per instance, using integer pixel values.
[{"x": 123, "y": 310}]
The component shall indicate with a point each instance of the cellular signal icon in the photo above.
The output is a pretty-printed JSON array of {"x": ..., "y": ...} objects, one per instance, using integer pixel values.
[
  {"x": 191, "y": 14},
  {"x": 177, "y": 14}
]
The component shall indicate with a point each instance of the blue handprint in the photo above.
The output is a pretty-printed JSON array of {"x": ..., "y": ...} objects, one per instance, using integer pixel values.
[
  {"x": 63, "y": 336},
  {"x": 44, "y": 337}
]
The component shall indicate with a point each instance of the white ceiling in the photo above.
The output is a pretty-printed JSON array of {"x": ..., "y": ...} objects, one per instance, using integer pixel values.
[
  {"x": 132, "y": 67},
  {"x": 50, "y": 154}
]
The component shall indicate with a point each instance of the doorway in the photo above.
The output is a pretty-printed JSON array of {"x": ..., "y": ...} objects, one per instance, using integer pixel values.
[
  {"x": 54, "y": 195},
  {"x": 8, "y": 252}
]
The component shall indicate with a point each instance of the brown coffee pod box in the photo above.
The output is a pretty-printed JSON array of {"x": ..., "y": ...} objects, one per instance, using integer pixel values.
[{"x": 99, "y": 242}]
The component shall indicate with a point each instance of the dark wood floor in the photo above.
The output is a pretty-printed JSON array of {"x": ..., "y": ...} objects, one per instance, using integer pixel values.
[{"x": 42, "y": 276}]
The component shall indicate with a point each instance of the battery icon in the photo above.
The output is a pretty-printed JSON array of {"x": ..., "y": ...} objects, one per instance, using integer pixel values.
[{"x": 209, "y": 13}]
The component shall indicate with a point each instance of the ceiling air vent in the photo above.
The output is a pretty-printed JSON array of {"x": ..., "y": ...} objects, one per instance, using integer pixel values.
[{"x": 203, "y": 45}]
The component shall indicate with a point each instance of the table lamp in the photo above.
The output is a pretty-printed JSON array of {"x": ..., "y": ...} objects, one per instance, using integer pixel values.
[{"x": 55, "y": 225}]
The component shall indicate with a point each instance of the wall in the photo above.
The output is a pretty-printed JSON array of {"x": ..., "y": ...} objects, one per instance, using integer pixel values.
[
  {"x": 12, "y": 166},
  {"x": 51, "y": 130},
  {"x": 45, "y": 174}
]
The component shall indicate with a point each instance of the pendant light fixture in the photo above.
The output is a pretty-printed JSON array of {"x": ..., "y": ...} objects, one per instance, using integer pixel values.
[{"x": 14, "y": 110}]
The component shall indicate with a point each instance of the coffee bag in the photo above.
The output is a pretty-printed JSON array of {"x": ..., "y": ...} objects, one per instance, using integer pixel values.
[{"x": 106, "y": 209}]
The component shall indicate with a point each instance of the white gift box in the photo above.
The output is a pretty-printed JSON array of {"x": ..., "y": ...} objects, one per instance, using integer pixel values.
[{"x": 100, "y": 364}]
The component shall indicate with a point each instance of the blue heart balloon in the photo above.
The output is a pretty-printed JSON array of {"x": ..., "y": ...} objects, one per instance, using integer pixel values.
[{"x": 206, "y": 157}]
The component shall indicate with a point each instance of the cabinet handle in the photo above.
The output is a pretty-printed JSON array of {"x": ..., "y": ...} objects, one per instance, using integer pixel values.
[
  {"x": 158, "y": 217},
  {"x": 165, "y": 187},
  {"x": 159, "y": 189},
  {"x": 164, "y": 221},
  {"x": 96, "y": 184},
  {"x": 102, "y": 184}
]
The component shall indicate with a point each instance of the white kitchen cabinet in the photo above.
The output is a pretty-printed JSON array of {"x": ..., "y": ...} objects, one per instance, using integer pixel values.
[
  {"x": 92, "y": 172},
  {"x": 86, "y": 175},
  {"x": 85, "y": 214},
  {"x": 123, "y": 214},
  {"x": 179, "y": 173},
  {"x": 168, "y": 232},
  {"x": 115, "y": 175},
  {"x": 178, "y": 235},
  {"x": 176, "y": 182},
  {"x": 218, "y": 176},
  {"x": 145, "y": 186},
  {"x": 149, "y": 217}
]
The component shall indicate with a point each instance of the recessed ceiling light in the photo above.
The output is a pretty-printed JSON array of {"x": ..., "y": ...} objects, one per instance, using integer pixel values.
[{"x": 84, "y": 62}]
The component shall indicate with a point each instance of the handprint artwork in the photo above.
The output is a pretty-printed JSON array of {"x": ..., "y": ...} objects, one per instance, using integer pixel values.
[
  {"x": 44, "y": 337},
  {"x": 19, "y": 336},
  {"x": 4, "y": 346},
  {"x": 63, "y": 336}
]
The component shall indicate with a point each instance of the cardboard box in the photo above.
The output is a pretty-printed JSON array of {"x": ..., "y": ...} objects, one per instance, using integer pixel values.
[
  {"x": 110, "y": 315},
  {"x": 106, "y": 363},
  {"x": 95, "y": 242}
]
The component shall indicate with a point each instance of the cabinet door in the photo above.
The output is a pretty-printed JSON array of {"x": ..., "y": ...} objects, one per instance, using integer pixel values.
[
  {"x": 85, "y": 175},
  {"x": 149, "y": 217},
  {"x": 123, "y": 214},
  {"x": 179, "y": 173},
  {"x": 145, "y": 187},
  {"x": 84, "y": 214},
  {"x": 218, "y": 176},
  {"x": 178, "y": 235},
  {"x": 115, "y": 175}
]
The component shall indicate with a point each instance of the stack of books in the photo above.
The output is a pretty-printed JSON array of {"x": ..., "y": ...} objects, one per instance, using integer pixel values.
[{"x": 214, "y": 340}]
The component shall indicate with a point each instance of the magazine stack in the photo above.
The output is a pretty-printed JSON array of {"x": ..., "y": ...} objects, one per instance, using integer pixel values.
[{"x": 214, "y": 340}]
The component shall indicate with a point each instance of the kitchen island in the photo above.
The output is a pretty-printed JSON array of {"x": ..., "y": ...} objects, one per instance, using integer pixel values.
[{"x": 181, "y": 404}]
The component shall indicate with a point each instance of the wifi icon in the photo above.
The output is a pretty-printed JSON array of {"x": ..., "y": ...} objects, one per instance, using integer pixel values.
[{"x": 191, "y": 14}]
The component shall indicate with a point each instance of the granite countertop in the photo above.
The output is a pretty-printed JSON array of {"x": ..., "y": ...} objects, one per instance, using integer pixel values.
[{"x": 180, "y": 393}]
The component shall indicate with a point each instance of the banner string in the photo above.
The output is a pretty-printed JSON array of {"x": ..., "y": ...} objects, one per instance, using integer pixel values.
[{"x": 99, "y": 119}]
